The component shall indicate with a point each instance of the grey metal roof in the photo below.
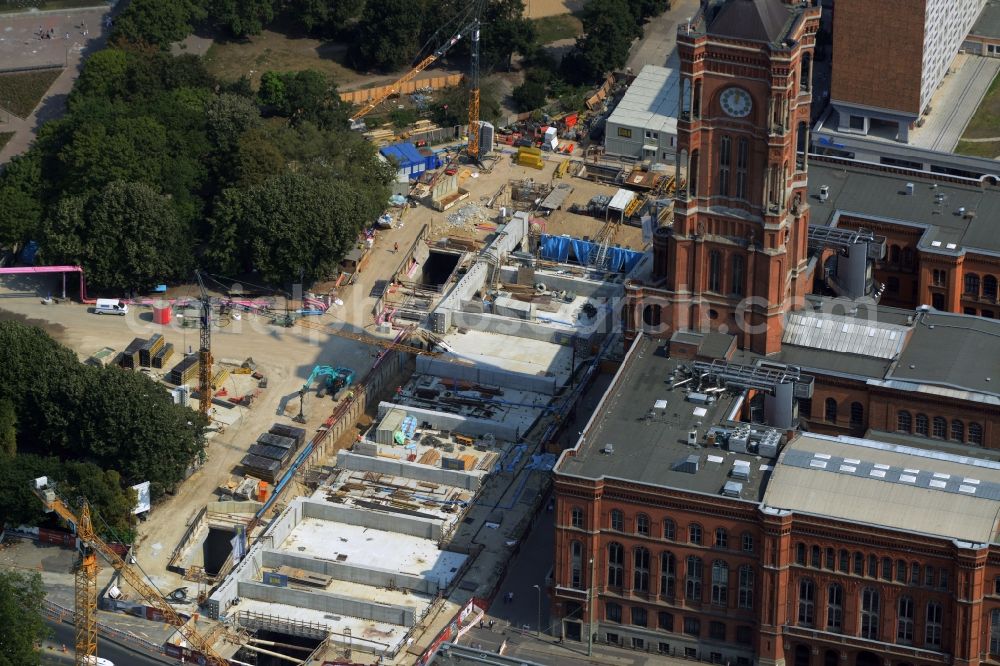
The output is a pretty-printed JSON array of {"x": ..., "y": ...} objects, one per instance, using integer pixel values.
[
  {"x": 649, "y": 441},
  {"x": 756, "y": 20},
  {"x": 899, "y": 487},
  {"x": 954, "y": 351},
  {"x": 819, "y": 330},
  {"x": 933, "y": 206},
  {"x": 651, "y": 101}
]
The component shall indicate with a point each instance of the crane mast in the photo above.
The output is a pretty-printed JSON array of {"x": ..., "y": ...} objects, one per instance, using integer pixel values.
[
  {"x": 85, "y": 613},
  {"x": 204, "y": 350},
  {"x": 474, "y": 92}
]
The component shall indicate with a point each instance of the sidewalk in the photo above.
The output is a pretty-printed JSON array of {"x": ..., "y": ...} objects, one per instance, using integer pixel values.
[{"x": 18, "y": 51}]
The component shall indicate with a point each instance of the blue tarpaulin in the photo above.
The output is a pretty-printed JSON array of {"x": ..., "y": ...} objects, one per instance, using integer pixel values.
[{"x": 557, "y": 248}]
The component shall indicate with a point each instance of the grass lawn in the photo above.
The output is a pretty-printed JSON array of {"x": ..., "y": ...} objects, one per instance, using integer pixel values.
[
  {"x": 22, "y": 5},
  {"x": 561, "y": 26},
  {"x": 985, "y": 122},
  {"x": 4, "y": 138},
  {"x": 988, "y": 149},
  {"x": 274, "y": 51},
  {"x": 21, "y": 92}
]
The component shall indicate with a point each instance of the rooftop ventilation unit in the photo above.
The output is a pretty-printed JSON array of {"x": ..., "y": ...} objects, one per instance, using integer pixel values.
[
  {"x": 689, "y": 465},
  {"x": 608, "y": 449},
  {"x": 739, "y": 440},
  {"x": 692, "y": 438},
  {"x": 741, "y": 472},
  {"x": 768, "y": 447},
  {"x": 700, "y": 398},
  {"x": 732, "y": 489}
]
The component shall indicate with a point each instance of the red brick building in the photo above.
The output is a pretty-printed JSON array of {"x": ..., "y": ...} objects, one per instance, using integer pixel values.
[
  {"x": 833, "y": 552},
  {"x": 736, "y": 255}
]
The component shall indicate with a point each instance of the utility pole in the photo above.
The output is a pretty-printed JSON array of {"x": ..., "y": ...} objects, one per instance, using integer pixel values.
[{"x": 590, "y": 608}]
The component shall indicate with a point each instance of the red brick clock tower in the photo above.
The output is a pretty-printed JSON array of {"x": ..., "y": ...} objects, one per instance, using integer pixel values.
[{"x": 735, "y": 258}]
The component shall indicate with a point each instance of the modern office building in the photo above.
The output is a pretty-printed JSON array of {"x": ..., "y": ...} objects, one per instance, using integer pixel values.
[{"x": 890, "y": 57}]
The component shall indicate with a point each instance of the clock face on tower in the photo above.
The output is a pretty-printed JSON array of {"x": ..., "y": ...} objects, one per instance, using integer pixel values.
[{"x": 736, "y": 102}]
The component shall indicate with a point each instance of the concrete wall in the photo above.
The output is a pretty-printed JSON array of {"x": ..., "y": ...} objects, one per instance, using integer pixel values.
[
  {"x": 466, "y": 425},
  {"x": 589, "y": 288},
  {"x": 518, "y": 328},
  {"x": 448, "y": 477},
  {"x": 329, "y": 603},
  {"x": 424, "y": 528},
  {"x": 352, "y": 572},
  {"x": 484, "y": 374}
]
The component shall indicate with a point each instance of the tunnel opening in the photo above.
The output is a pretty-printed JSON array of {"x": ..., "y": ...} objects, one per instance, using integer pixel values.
[
  {"x": 297, "y": 647},
  {"x": 438, "y": 268},
  {"x": 217, "y": 548}
]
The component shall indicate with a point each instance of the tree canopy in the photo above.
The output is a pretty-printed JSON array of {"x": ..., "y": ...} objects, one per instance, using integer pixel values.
[
  {"x": 609, "y": 27},
  {"x": 21, "y": 597}
]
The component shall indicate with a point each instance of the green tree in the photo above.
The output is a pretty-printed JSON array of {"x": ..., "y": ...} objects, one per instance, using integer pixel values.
[
  {"x": 127, "y": 235},
  {"x": 505, "y": 31},
  {"x": 18, "y": 504},
  {"x": 156, "y": 22},
  {"x": 388, "y": 36},
  {"x": 8, "y": 429},
  {"x": 452, "y": 105},
  {"x": 111, "y": 504},
  {"x": 529, "y": 95},
  {"x": 229, "y": 117},
  {"x": 104, "y": 75},
  {"x": 307, "y": 95},
  {"x": 256, "y": 159},
  {"x": 242, "y": 18},
  {"x": 609, "y": 28},
  {"x": 20, "y": 198},
  {"x": 324, "y": 16},
  {"x": 21, "y": 597}
]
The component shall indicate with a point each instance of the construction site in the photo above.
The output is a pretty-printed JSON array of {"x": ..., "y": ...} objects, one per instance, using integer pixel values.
[{"x": 379, "y": 445}]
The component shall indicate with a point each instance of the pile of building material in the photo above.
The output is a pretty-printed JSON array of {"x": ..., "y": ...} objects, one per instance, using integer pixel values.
[
  {"x": 529, "y": 156},
  {"x": 272, "y": 451},
  {"x": 470, "y": 216},
  {"x": 146, "y": 353},
  {"x": 186, "y": 371}
]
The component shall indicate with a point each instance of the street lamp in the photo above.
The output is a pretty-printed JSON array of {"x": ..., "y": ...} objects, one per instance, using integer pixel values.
[{"x": 538, "y": 626}]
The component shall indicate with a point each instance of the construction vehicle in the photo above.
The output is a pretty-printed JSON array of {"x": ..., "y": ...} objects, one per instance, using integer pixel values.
[
  {"x": 336, "y": 381},
  {"x": 85, "y": 609}
]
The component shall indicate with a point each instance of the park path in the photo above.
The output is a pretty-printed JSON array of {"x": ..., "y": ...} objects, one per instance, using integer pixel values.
[{"x": 53, "y": 103}]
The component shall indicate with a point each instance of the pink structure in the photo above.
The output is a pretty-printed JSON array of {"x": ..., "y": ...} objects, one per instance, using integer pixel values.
[{"x": 53, "y": 269}]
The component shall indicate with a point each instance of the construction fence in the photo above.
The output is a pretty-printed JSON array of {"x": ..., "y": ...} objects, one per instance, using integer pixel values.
[{"x": 365, "y": 95}]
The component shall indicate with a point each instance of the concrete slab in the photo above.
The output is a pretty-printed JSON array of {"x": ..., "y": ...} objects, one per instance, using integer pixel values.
[
  {"x": 384, "y": 550},
  {"x": 513, "y": 354}
]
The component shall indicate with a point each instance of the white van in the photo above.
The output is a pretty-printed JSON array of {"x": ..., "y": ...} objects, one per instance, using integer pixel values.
[{"x": 111, "y": 306}]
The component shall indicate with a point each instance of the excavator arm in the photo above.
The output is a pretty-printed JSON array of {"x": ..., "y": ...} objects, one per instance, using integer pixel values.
[{"x": 86, "y": 534}]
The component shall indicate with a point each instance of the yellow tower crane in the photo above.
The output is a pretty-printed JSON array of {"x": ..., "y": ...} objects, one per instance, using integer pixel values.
[{"x": 85, "y": 611}]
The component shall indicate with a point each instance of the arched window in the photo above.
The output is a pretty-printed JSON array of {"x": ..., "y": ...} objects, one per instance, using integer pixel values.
[
  {"x": 745, "y": 599},
  {"x": 834, "y": 608},
  {"x": 886, "y": 568},
  {"x": 617, "y": 520},
  {"x": 640, "y": 572},
  {"x": 830, "y": 559},
  {"x": 904, "y": 422},
  {"x": 815, "y": 555},
  {"x": 668, "y": 574},
  {"x": 800, "y": 554},
  {"x": 893, "y": 254},
  {"x": 940, "y": 427},
  {"x": 957, "y": 431},
  {"x": 721, "y": 537},
  {"x": 576, "y": 565},
  {"x": 859, "y": 564},
  {"x": 904, "y": 621},
  {"x": 922, "y": 425},
  {"x": 738, "y": 279},
  {"x": 576, "y": 517},
  {"x": 914, "y": 573},
  {"x": 989, "y": 288},
  {"x": 642, "y": 524},
  {"x": 725, "y": 162},
  {"x": 693, "y": 578},
  {"x": 995, "y": 631},
  {"x": 907, "y": 256},
  {"x": 971, "y": 284},
  {"x": 807, "y": 602},
  {"x": 694, "y": 534},
  {"x": 830, "y": 410},
  {"x": 975, "y": 434},
  {"x": 616, "y": 564},
  {"x": 845, "y": 561},
  {"x": 742, "y": 161},
  {"x": 900, "y": 571},
  {"x": 652, "y": 316},
  {"x": 720, "y": 583},
  {"x": 669, "y": 529},
  {"x": 869, "y": 614},
  {"x": 872, "y": 566},
  {"x": 932, "y": 629},
  {"x": 715, "y": 271},
  {"x": 857, "y": 415},
  {"x": 746, "y": 542}
]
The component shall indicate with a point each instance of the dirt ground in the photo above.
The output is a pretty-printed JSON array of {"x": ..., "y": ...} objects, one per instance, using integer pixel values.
[{"x": 540, "y": 8}]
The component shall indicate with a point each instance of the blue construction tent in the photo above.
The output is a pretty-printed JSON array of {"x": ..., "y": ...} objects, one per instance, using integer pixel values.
[
  {"x": 411, "y": 162},
  {"x": 557, "y": 248}
]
